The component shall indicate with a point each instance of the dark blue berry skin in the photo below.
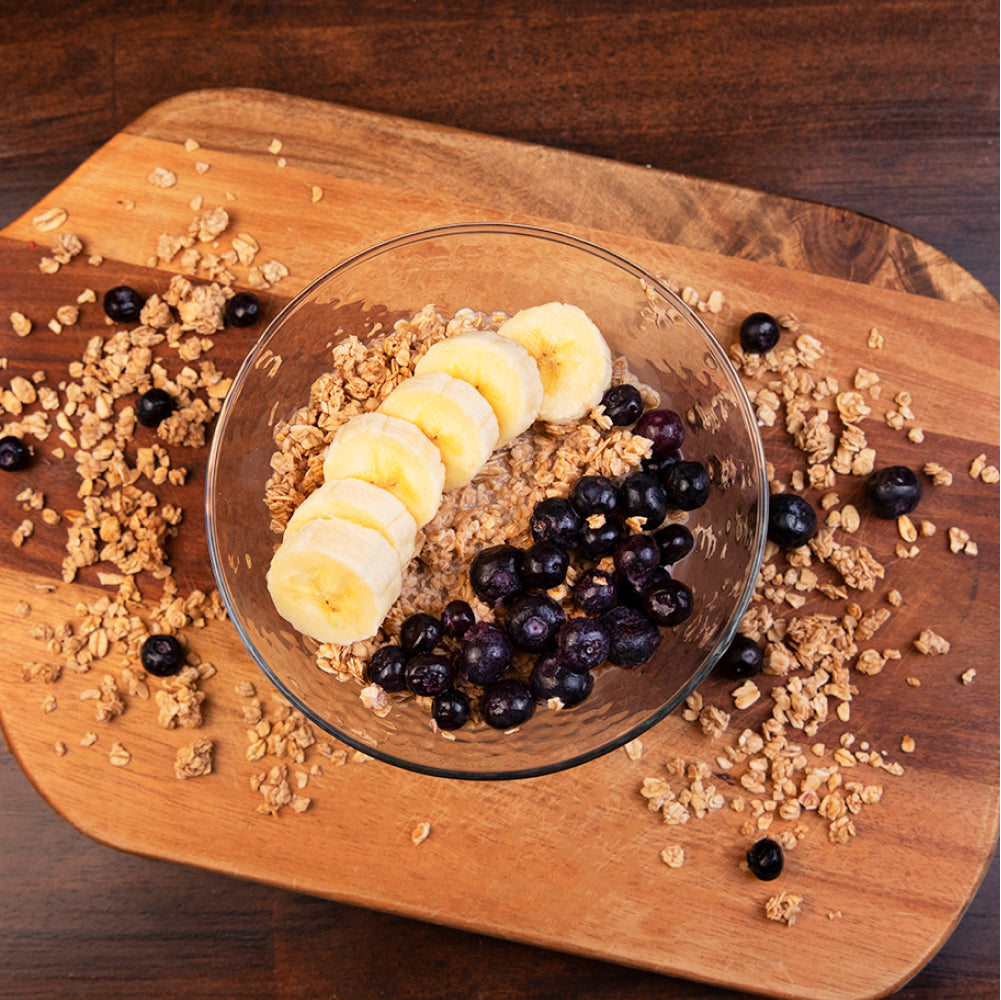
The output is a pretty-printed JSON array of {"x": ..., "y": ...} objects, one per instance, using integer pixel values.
[
  {"x": 664, "y": 428},
  {"x": 792, "y": 522},
  {"x": 659, "y": 462},
  {"x": 623, "y": 404},
  {"x": 556, "y": 520},
  {"x": 507, "y": 704},
  {"x": 635, "y": 556},
  {"x": 486, "y": 654},
  {"x": 759, "y": 333},
  {"x": 668, "y": 602},
  {"x": 532, "y": 621},
  {"x": 429, "y": 673},
  {"x": 743, "y": 658},
  {"x": 765, "y": 859},
  {"x": 162, "y": 655},
  {"x": 545, "y": 565},
  {"x": 892, "y": 491},
  {"x": 550, "y": 678},
  {"x": 675, "y": 541},
  {"x": 583, "y": 644},
  {"x": 243, "y": 309},
  {"x": 595, "y": 495},
  {"x": 687, "y": 485},
  {"x": 420, "y": 633},
  {"x": 15, "y": 454},
  {"x": 634, "y": 637},
  {"x": 644, "y": 495},
  {"x": 123, "y": 304},
  {"x": 595, "y": 591},
  {"x": 632, "y": 596},
  {"x": 495, "y": 574},
  {"x": 154, "y": 407},
  {"x": 450, "y": 709},
  {"x": 387, "y": 667},
  {"x": 602, "y": 540},
  {"x": 456, "y": 619}
]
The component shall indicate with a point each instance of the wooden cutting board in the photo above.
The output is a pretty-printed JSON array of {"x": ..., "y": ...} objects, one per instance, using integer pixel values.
[{"x": 570, "y": 861}]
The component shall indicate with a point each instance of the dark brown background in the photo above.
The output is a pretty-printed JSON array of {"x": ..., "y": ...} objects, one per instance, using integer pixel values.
[{"x": 889, "y": 109}]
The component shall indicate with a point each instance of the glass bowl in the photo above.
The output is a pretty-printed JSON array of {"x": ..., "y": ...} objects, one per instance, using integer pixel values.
[{"x": 492, "y": 267}]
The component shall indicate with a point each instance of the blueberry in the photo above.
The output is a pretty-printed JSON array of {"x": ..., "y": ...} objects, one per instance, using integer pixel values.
[
  {"x": 675, "y": 541},
  {"x": 668, "y": 602},
  {"x": 420, "y": 633},
  {"x": 532, "y": 621},
  {"x": 506, "y": 704},
  {"x": 456, "y": 619},
  {"x": 486, "y": 654},
  {"x": 583, "y": 644},
  {"x": 429, "y": 673},
  {"x": 743, "y": 658},
  {"x": 243, "y": 309},
  {"x": 759, "y": 333},
  {"x": 154, "y": 407},
  {"x": 450, "y": 709},
  {"x": 634, "y": 637},
  {"x": 632, "y": 595},
  {"x": 644, "y": 495},
  {"x": 387, "y": 667},
  {"x": 162, "y": 655},
  {"x": 595, "y": 591},
  {"x": 495, "y": 574},
  {"x": 635, "y": 556},
  {"x": 552, "y": 679},
  {"x": 892, "y": 491},
  {"x": 765, "y": 859},
  {"x": 595, "y": 495},
  {"x": 602, "y": 539},
  {"x": 123, "y": 304},
  {"x": 792, "y": 522},
  {"x": 15, "y": 454},
  {"x": 545, "y": 565},
  {"x": 623, "y": 404},
  {"x": 664, "y": 428},
  {"x": 687, "y": 485},
  {"x": 555, "y": 520},
  {"x": 660, "y": 461}
]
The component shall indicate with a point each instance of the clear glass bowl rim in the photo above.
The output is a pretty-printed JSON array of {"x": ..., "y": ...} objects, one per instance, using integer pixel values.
[{"x": 611, "y": 257}]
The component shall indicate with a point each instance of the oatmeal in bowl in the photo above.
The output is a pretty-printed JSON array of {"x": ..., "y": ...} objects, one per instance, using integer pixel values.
[{"x": 486, "y": 501}]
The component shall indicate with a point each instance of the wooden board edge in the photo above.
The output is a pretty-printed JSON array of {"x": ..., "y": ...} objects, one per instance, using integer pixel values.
[{"x": 925, "y": 259}]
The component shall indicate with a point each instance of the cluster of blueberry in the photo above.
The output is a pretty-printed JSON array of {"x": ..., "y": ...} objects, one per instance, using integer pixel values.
[{"x": 622, "y": 608}]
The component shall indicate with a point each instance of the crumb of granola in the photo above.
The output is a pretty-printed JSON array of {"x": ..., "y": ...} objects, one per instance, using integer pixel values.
[
  {"x": 119, "y": 756},
  {"x": 785, "y": 907},
  {"x": 967, "y": 676},
  {"x": 634, "y": 749},
  {"x": 420, "y": 832},
  {"x": 673, "y": 856},
  {"x": 930, "y": 643},
  {"x": 907, "y": 744},
  {"x": 194, "y": 760}
]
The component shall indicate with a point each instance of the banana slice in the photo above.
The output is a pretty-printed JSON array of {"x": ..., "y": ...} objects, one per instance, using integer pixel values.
[
  {"x": 573, "y": 358},
  {"x": 453, "y": 415},
  {"x": 335, "y": 580},
  {"x": 500, "y": 370},
  {"x": 392, "y": 453},
  {"x": 364, "y": 504}
]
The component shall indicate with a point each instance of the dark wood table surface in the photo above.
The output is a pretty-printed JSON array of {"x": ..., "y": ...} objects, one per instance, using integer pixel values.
[{"x": 888, "y": 109}]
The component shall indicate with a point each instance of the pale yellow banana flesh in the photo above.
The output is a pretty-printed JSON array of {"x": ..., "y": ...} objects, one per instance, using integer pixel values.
[
  {"x": 335, "y": 580},
  {"x": 502, "y": 372},
  {"x": 362, "y": 503},
  {"x": 453, "y": 416},
  {"x": 393, "y": 454},
  {"x": 574, "y": 361}
]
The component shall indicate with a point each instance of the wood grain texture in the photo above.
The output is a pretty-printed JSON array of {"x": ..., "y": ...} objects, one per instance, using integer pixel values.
[
  {"x": 951, "y": 352},
  {"x": 909, "y": 136}
]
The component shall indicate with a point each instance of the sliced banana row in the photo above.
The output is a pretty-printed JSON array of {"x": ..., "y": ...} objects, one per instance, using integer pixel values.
[{"x": 339, "y": 568}]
